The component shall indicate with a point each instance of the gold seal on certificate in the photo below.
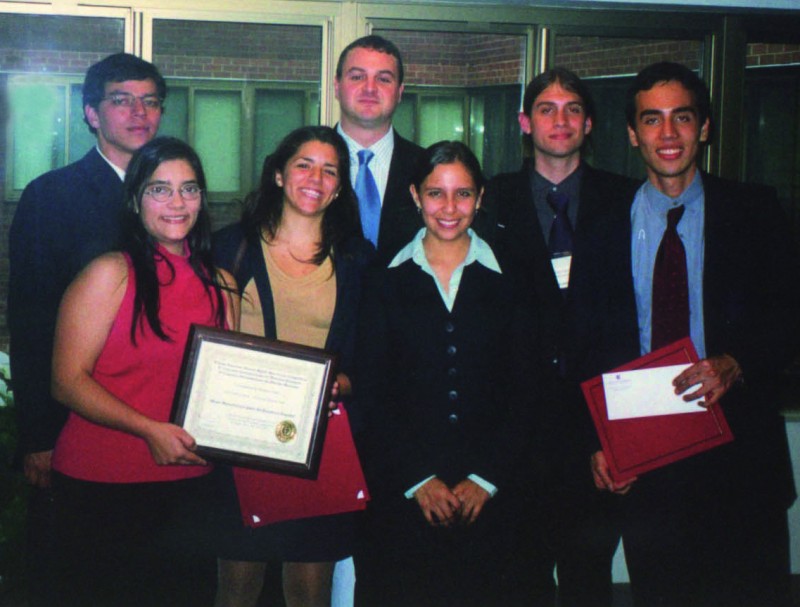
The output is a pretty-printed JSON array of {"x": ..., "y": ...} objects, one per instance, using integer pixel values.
[
  {"x": 255, "y": 402},
  {"x": 285, "y": 431}
]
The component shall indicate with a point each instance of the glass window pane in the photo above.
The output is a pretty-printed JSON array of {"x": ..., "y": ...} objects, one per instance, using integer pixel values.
[
  {"x": 218, "y": 142},
  {"x": 175, "y": 118},
  {"x": 277, "y": 114},
  {"x": 771, "y": 150},
  {"x": 608, "y": 65},
  {"x": 81, "y": 138},
  {"x": 471, "y": 66},
  {"x": 276, "y": 68},
  {"x": 43, "y": 60},
  {"x": 37, "y": 121},
  {"x": 441, "y": 118},
  {"x": 404, "y": 119}
]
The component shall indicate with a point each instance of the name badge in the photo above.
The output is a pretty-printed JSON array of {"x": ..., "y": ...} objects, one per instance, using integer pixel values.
[{"x": 561, "y": 266}]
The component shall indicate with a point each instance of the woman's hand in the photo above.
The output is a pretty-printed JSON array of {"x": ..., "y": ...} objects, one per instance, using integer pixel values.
[
  {"x": 472, "y": 497},
  {"x": 172, "y": 445},
  {"x": 439, "y": 505}
]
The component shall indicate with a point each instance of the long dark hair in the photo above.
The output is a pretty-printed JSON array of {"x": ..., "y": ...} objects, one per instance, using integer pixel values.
[
  {"x": 141, "y": 246},
  {"x": 263, "y": 208}
]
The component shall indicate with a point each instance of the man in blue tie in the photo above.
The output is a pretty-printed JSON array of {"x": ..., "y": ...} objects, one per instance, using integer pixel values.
[{"x": 369, "y": 86}]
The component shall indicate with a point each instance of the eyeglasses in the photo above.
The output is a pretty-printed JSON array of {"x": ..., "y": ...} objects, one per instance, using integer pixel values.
[
  {"x": 163, "y": 193},
  {"x": 126, "y": 100}
]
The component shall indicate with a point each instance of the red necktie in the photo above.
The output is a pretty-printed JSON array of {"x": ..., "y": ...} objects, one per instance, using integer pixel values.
[{"x": 670, "y": 306}]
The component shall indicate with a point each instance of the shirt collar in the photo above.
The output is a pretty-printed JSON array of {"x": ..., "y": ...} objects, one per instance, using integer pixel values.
[
  {"x": 382, "y": 145},
  {"x": 120, "y": 173},
  {"x": 478, "y": 251},
  {"x": 691, "y": 197}
]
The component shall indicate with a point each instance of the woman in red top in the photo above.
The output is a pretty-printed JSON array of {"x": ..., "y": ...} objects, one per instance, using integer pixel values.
[{"x": 128, "y": 482}]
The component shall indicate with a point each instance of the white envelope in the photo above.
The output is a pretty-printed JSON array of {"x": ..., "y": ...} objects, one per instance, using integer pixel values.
[{"x": 646, "y": 393}]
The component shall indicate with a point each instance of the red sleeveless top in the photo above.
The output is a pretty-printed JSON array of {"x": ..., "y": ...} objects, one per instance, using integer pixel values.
[{"x": 144, "y": 376}]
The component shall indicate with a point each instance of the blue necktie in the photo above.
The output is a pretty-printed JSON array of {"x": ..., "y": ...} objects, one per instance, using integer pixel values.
[
  {"x": 560, "y": 240},
  {"x": 369, "y": 200}
]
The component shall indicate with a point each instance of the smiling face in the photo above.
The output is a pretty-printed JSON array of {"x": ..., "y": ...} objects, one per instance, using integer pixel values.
[
  {"x": 448, "y": 199},
  {"x": 170, "y": 222},
  {"x": 123, "y": 130},
  {"x": 668, "y": 134},
  {"x": 557, "y": 123},
  {"x": 310, "y": 179},
  {"x": 368, "y": 90}
]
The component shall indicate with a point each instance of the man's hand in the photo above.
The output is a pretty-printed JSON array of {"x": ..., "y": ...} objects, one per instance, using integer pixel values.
[
  {"x": 439, "y": 505},
  {"x": 714, "y": 375},
  {"x": 472, "y": 497},
  {"x": 602, "y": 476},
  {"x": 37, "y": 467}
]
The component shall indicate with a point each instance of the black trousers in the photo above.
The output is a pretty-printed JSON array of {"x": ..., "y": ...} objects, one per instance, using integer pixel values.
[
  {"x": 690, "y": 547},
  {"x": 137, "y": 544}
]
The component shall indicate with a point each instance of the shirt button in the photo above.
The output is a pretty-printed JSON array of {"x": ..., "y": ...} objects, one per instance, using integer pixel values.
[
  {"x": 449, "y": 327},
  {"x": 452, "y": 395},
  {"x": 453, "y": 418},
  {"x": 451, "y": 350},
  {"x": 452, "y": 372}
]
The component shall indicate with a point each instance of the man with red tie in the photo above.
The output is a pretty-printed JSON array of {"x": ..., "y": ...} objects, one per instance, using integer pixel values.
[{"x": 711, "y": 259}]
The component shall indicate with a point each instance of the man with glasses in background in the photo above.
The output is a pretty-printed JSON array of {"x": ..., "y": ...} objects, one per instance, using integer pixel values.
[{"x": 66, "y": 218}]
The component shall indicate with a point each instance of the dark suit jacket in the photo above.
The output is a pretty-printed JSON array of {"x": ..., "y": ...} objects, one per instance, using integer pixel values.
[
  {"x": 64, "y": 219},
  {"x": 400, "y": 220},
  {"x": 751, "y": 298},
  {"x": 350, "y": 260},
  {"x": 511, "y": 225},
  {"x": 443, "y": 393}
]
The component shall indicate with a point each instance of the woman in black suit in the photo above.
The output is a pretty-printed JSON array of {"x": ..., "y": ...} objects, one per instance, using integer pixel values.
[{"x": 440, "y": 388}]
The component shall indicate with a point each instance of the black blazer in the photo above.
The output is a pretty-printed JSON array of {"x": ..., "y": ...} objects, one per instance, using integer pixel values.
[
  {"x": 442, "y": 393},
  {"x": 400, "y": 220},
  {"x": 750, "y": 301},
  {"x": 511, "y": 225},
  {"x": 64, "y": 219}
]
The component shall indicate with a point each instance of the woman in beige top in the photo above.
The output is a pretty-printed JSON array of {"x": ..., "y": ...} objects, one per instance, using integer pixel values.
[{"x": 298, "y": 257}]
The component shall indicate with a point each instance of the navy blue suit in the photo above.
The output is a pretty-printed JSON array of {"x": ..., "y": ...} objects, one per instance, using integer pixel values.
[
  {"x": 446, "y": 394},
  {"x": 711, "y": 529},
  {"x": 64, "y": 219}
]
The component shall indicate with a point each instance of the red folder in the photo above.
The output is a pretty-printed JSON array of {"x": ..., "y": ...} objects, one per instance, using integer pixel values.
[
  {"x": 634, "y": 446},
  {"x": 266, "y": 497}
]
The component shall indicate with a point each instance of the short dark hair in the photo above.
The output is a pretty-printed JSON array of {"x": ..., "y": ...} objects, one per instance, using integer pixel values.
[
  {"x": 447, "y": 152},
  {"x": 142, "y": 247},
  {"x": 118, "y": 68},
  {"x": 667, "y": 71},
  {"x": 376, "y": 43},
  {"x": 263, "y": 208},
  {"x": 568, "y": 81}
]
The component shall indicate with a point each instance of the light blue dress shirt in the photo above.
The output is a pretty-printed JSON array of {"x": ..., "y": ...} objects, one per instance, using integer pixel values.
[
  {"x": 648, "y": 223},
  {"x": 478, "y": 252}
]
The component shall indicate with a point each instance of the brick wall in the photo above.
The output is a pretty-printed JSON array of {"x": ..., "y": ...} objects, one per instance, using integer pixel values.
[
  {"x": 759, "y": 54},
  {"x": 459, "y": 59},
  {"x": 237, "y": 50},
  {"x": 594, "y": 56}
]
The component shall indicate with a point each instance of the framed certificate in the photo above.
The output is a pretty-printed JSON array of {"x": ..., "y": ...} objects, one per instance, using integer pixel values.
[{"x": 255, "y": 402}]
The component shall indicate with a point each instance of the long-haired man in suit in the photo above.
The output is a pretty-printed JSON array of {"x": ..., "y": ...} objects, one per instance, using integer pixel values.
[{"x": 536, "y": 218}]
